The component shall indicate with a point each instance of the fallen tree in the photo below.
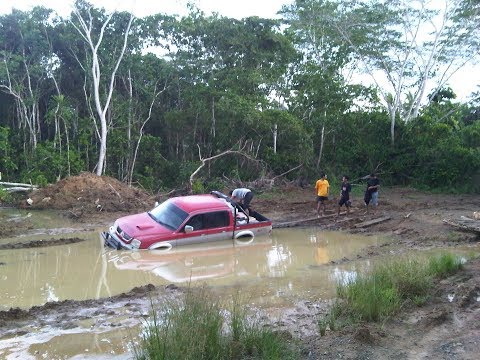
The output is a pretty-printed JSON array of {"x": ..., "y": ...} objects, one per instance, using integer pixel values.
[
  {"x": 17, "y": 187},
  {"x": 372, "y": 222},
  {"x": 465, "y": 224},
  {"x": 205, "y": 161}
]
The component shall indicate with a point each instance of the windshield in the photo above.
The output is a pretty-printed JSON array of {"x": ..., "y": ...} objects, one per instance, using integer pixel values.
[{"x": 168, "y": 215}]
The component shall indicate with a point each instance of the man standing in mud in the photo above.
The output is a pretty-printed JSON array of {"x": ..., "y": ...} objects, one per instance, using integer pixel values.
[
  {"x": 321, "y": 188},
  {"x": 345, "y": 189},
  {"x": 371, "y": 193}
]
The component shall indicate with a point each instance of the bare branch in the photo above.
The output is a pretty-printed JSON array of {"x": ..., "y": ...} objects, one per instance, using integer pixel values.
[
  {"x": 214, "y": 157},
  {"x": 286, "y": 172}
]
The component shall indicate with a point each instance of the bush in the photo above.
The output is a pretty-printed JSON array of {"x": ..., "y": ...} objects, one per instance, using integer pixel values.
[
  {"x": 444, "y": 265},
  {"x": 196, "y": 329},
  {"x": 5, "y": 196},
  {"x": 380, "y": 293}
]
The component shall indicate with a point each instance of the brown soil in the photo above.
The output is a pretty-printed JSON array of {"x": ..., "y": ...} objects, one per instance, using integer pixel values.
[
  {"x": 88, "y": 194},
  {"x": 40, "y": 243},
  {"x": 444, "y": 328}
]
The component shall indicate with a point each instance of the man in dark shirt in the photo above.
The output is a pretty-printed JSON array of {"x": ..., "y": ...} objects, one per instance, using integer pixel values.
[
  {"x": 345, "y": 189},
  {"x": 371, "y": 193}
]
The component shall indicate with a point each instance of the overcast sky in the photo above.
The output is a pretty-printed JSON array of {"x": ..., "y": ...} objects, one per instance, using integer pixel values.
[
  {"x": 230, "y": 8},
  {"x": 463, "y": 82}
]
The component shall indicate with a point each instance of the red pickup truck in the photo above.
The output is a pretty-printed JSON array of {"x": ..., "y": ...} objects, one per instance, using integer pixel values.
[{"x": 186, "y": 220}]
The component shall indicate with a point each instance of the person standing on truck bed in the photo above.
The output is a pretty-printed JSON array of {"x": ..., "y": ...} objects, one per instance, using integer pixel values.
[{"x": 243, "y": 196}]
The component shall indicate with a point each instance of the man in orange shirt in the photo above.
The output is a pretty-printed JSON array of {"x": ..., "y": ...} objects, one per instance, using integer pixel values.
[{"x": 322, "y": 187}]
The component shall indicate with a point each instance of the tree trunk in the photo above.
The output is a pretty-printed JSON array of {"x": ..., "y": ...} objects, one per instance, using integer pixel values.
[
  {"x": 86, "y": 31},
  {"x": 213, "y": 118},
  {"x": 322, "y": 137},
  {"x": 275, "y": 138},
  {"x": 392, "y": 127}
]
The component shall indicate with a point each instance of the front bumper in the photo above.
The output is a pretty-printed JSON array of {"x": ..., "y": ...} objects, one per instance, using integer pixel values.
[{"x": 112, "y": 240}]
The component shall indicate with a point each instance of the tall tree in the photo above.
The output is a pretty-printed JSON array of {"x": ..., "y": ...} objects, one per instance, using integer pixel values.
[
  {"x": 403, "y": 46},
  {"x": 467, "y": 26},
  {"x": 319, "y": 79},
  {"x": 86, "y": 25},
  {"x": 227, "y": 70},
  {"x": 24, "y": 55}
]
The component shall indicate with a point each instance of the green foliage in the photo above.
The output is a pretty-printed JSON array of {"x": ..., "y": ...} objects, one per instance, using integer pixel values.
[
  {"x": 7, "y": 165},
  {"x": 381, "y": 292},
  {"x": 447, "y": 157},
  {"x": 214, "y": 184},
  {"x": 147, "y": 179},
  {"x": 444, "y": 265},
  {"x": 371, "y": 298},
  {"x": 5, "y": 196},
  {"x": 194, "y": 329},
  {"x": 40, "y": 180},
  {"x": 197, "y": 187},
  {"x": 50, "y": 163},
  {"x": 294, "y": 146},
  {"x": 226, "y": 83}
]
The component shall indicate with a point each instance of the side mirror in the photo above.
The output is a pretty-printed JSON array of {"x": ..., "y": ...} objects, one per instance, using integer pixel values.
[
  {"x": 156, "y": 204},
  {"x": 188, "y": 229}
]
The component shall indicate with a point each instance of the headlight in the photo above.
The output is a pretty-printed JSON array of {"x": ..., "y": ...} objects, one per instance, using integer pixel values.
[{"x": 136, "y": 243}]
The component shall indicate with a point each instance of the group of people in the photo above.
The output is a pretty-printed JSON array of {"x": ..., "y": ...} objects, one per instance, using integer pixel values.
[
  {"x": 244, "y": 196},
  {"x": 322, "y": 189}
]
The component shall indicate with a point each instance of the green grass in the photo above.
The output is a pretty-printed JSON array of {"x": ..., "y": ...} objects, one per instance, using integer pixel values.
[
  {"x": 381, "y": 292},
  {"x": 196, "y": 328},
  {"x": 444, "y": 265},
  {"x": 5, "y": 196}
]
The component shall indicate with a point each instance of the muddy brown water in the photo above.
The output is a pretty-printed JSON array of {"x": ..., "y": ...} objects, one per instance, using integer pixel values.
[
  {"x": 288, "y": 264},
  {"x": 276, "y": 271}
]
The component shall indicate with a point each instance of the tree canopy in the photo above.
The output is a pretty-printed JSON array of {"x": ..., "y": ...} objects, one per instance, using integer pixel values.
[{"x": 347, "y": 87}]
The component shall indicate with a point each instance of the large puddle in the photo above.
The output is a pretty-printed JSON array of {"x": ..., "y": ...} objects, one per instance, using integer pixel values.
[
  {"x": 289, "y": 263},
  {"x": 276, "y": 270}
]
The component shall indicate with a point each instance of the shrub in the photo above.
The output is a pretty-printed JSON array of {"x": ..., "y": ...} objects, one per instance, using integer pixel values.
[
  {"x": 444, "y": 265},
  {"x": 381, "y": 292},
  {"x": 5, "y": 196},
  {"x": 196, "y": 329}
]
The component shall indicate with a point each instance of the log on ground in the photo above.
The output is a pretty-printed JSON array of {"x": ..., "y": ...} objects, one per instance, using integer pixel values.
[{"x": 372, "y": 222}]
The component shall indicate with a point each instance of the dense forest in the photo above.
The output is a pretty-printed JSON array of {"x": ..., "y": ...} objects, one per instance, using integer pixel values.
[{"x": 149, "y": 100}]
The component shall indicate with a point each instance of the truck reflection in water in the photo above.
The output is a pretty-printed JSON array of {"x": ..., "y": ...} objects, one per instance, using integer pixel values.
[{"x": 196, "y": 262}]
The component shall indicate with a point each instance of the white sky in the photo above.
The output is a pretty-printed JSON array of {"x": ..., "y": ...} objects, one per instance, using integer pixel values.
[
  {"x": 229, "y": 8},
  {"x": 463, "y": 82}
]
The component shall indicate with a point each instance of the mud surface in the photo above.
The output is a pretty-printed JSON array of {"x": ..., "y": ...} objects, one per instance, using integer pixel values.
[
  {"x": 40, "y": 243},
  {"x": 447, "y": 327}
]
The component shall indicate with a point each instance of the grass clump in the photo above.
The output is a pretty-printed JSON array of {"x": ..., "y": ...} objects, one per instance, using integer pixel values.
[
  {"x": 5, "y": 196},
  {"x": 381, "y": 292},
  {"x": 197, "y": 329},
  {"x": 445, "y": 265}
]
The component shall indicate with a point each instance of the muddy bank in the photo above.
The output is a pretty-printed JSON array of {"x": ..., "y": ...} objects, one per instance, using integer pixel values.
[
  {"x": 69, "y": 314},
  {"x": 447, "y": 327},
  {"x": 40, "y": 243}
]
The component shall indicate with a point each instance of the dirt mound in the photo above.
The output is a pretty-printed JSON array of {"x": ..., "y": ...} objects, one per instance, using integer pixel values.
[{"x": 88, "y": 193}]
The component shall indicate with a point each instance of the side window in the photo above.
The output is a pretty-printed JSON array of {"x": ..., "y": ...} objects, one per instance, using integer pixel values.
[
  {"x": 197, "y": 222},
  {"x": 216, "y": 219}
]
